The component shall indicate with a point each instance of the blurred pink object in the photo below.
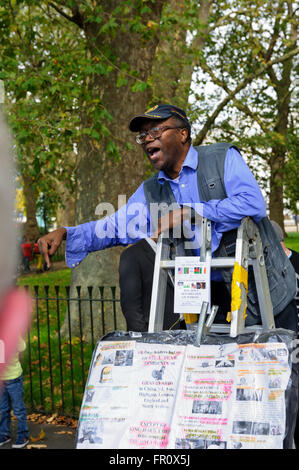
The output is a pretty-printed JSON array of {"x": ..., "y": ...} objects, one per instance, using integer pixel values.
[{"x": 15, "y": 317}]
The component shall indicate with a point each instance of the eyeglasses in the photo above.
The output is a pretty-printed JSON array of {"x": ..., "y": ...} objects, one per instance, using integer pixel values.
[{"x": 154, "y": 133}]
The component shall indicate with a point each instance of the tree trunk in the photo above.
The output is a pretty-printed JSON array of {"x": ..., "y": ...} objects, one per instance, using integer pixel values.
[
  {"x": 31, "y": 227},
  {"x": 276, "y": 185},
  {"x": 279, "y": 150},
  {"x": 184, "y": 84},
  {"x": 174, "y": 63},
  {"x": 99, "y": 177},
  {"x": 65, "y": 216},
  {"x": 169, "y": 59}
]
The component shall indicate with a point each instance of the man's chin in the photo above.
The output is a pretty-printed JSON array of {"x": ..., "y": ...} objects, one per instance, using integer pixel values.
[{"x": 158, "y": 165}]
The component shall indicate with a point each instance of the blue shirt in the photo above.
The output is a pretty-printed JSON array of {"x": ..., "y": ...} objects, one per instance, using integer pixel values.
[{"x": 132, "y": 221}]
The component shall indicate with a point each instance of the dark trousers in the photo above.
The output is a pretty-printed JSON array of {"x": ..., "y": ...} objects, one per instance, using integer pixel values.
[{"x": 288, "y": 318}]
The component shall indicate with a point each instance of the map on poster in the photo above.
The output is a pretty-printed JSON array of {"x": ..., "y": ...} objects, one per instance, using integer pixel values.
[
  {"x": 164, "y": 396},
  {"x": 192, "y": 284}
]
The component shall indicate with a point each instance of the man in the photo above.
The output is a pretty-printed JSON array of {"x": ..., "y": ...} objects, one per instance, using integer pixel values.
[{"x": 209, "y": 181}]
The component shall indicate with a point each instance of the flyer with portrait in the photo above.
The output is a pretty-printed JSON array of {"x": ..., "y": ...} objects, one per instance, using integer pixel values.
[{"x": 192, "y": 284}]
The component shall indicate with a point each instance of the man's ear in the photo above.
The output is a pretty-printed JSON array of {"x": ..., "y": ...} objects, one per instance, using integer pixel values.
[{"x": 185, "y": 134}]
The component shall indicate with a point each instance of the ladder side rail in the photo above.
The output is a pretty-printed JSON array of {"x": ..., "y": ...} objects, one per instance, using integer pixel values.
[
  {"x": 241, "y": 258},
  {"x": 205, "y": 256},
  {"x": 158, "y": 297},
  {"x": 262, "y": 286}
]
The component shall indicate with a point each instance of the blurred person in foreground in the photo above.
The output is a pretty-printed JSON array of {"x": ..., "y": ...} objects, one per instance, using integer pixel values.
[{"x": 15, "y": 304}]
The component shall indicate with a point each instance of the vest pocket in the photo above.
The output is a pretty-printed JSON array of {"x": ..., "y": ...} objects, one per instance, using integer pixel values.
[{"x": 212, "y": 188}]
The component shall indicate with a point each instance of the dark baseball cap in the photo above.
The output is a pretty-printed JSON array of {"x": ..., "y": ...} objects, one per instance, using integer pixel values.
[{"x": 159, "y": 112}]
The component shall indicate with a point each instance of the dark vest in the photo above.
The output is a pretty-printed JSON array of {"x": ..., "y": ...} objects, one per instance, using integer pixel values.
[{"x": 210, "y": 177}]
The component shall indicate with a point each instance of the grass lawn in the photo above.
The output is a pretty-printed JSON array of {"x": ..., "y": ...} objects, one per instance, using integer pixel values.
[
  {"x": 292, "y": 241},
  {"x": 61, "y": 277}
]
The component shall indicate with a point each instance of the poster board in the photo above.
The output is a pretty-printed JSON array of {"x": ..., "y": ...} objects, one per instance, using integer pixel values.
[
  {"x": 147, "y": 395},
  {"x": 192, "y": 284}
]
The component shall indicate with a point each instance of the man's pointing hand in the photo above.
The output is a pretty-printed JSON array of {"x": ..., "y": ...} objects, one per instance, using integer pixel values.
[{"x": 48, "y": 244}]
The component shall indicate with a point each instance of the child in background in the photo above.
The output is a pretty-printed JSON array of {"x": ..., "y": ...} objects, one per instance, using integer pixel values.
[
  {"x": 38, "y": 256},
  {"x": 11, "y": 397}
]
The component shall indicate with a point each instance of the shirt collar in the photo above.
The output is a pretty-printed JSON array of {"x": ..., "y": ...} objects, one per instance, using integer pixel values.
[{"x": 191, "y": 161}]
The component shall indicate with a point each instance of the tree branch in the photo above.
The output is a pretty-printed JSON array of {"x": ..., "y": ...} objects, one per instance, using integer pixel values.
[
  {"x": 242, "y": 107},
  {"x": 226, "y": 19},
  {"x": 230, "y": 96},
  {"x": 76, "y": 18}
]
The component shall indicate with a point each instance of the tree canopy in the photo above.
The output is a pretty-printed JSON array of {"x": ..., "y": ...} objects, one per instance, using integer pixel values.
[{"x": 75, "y": 71}]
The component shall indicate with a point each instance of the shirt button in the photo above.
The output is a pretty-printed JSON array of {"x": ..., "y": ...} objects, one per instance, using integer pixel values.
[
  {"x": 73, "y": 265},
  {"x": 183, "y": 185}
]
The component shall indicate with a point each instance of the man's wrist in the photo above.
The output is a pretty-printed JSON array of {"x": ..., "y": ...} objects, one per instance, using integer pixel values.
[{"x": 64, "y": 230}]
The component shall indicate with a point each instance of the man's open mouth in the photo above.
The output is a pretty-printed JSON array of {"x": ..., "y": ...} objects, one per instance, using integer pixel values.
[{"x": 153, "y": 151}]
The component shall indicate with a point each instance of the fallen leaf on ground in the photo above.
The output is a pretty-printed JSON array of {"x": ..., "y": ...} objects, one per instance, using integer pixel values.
[
  {"x": 49, "y": 420},
  {"x": 58, "y": 420},
  {"x": 40, "y": 437},
  {"x": 63, "y": 432},
  {"x": 37, "y": 446}
]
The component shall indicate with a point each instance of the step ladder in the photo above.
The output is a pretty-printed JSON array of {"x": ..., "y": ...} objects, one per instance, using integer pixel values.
[{"x": 249, "y": 251}]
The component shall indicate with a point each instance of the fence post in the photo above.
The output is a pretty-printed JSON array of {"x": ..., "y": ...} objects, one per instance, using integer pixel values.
[
  {"x": 113, "y": 290},
  {"x": 102, "y": 308},
  {"x": 81, "y": 337},
  {"x": 38, "y": 343},
  {"x": 59, "y": 346},
  {"x": 67, "y": 290},
  {"x": 49, "y": 345},
  {"x": 91, "y": 315}
]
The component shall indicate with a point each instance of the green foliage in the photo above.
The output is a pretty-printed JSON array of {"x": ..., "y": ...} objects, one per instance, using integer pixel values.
[
  {"x": 247, "y": 37},
  {"x": 291, "y": 174},
  {"x": 47, "y": 65},
  {"x": 292, "y": 241},
  {"x": 57, "y": 58}
]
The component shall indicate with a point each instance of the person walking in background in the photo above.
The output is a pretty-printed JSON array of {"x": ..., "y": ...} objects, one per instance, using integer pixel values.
[
  {"x": 11, "y": 398},
  {"x": 27, "y": 254}
]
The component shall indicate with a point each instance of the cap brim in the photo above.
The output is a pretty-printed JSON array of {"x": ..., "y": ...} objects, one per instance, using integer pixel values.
[{"x": 137, "y": 121}]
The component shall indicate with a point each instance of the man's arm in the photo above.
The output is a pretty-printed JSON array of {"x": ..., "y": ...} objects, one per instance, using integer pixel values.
[
  {"x": 124, "y": 227},
  {"x": 244, "y": 197}
]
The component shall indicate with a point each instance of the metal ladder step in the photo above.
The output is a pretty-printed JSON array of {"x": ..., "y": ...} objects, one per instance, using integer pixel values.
[{"x": 249, "y": 252}]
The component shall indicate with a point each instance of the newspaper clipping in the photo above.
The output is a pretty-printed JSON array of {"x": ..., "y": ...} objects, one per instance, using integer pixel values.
[{"x": 158, "y": 396}]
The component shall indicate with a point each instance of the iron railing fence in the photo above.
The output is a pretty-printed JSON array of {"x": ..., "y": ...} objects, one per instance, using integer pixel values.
[{"x": 65, "y": 327}]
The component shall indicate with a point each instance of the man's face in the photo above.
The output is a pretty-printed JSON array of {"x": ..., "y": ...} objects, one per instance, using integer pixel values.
[{"x": 167, "y": 152}]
